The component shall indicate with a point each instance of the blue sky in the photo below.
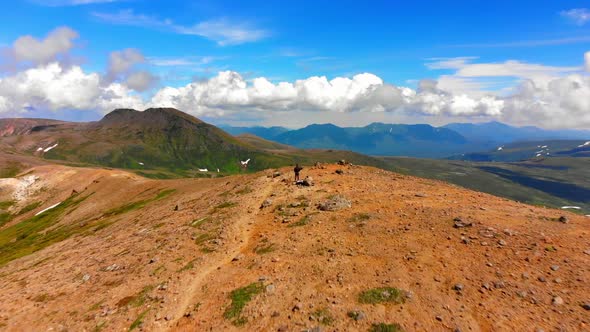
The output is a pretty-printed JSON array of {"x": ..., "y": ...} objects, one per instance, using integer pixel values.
[{"x": 400, "y": 42}]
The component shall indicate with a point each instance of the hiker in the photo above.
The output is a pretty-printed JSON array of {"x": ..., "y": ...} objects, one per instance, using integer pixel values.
[{"x": 297, "y": 169}]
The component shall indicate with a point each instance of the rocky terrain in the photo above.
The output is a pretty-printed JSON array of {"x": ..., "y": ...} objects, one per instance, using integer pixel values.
[{"x": 360, "y": 249}]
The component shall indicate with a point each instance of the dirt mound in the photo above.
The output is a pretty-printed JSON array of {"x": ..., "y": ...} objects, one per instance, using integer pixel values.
[{"x": 123, "y": 252}]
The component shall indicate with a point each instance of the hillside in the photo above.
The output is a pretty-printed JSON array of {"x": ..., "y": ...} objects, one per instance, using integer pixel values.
[
  {"x": 254, "y": 252},
  {"x": 158, "y": 142},
  {"x": 533, "y": 150}
]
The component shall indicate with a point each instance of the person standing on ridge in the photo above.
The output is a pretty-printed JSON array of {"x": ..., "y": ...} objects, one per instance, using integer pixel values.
[{"x": 297, "y": 169}]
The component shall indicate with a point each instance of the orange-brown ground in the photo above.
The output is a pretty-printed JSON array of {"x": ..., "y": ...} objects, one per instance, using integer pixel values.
[{"x": 174, "y": 268}]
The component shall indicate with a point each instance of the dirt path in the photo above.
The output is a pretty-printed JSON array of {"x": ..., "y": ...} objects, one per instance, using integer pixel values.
[{"x": 240, "y": 235}]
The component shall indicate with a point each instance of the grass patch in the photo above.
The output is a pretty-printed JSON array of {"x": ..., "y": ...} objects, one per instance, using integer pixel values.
[
  {"x": 202, "y": 238},
  {"x": 29, "y": 208},
  {"x": 96, "y": 305},
  {"x": 5, "y": 217},
  {"x": 158, "y": 270},
  {"x": 225, "y": 205},
  {"x": 382, "y": 327},
  {"x": 303, "y": 221},
  {"x": 245, "y": 190},
  {"x": 550, "y": 248},
  {"x": 6, "y": 204},
  {"x": 137, "y": 322},
  {"x": 189, "y": 266},
  {"x": 100, "y": 326},
  {"x": 42, "y": 298},
  {"x": 141, "y": 297},
  {"x": 264, "y": 248},
  {"x": 381, "y": 295},
  {"x": 239, "y": 299},
  {"x": 198, "y": 222},
  {"x": 323, "y": 316},
  {"x": 11, "y": 170},
  {"x": 32, "y": 235},
  {"x": 137, "y": 205},
  {"x": 359, "y": 217}
]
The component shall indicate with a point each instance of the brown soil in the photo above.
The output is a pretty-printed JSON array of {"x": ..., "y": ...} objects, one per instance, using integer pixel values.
[{"x": 173, "y": 263}]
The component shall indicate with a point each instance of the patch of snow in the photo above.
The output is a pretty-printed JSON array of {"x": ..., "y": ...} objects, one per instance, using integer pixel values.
[
  {"x": 544, "y": 146},
  {"x": 501, "y": 148},
  {"x": 139, "y": 162},
  {"x": 571, "y": 207},
  {"x": 218, "y": 170},
  {"x": 538, "y": 154},
  {"x": 390, "y": 129},
  {"x": 583, "y": 145},
  {"x": 244, "y": 163},
  {"x": 540, "y": 151},
  {"x": 39, "y": 149},
  {"x": 47, "y": 209},
  {"x": 203, "y": 170},
  {"x": 49, "y": 148}
]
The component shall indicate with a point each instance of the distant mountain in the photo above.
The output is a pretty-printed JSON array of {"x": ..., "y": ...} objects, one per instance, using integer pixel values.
[
  {"x": 380, "y": 139},
  {"x": 267, "y": 133},
  {"x": 502, "y": 133}
]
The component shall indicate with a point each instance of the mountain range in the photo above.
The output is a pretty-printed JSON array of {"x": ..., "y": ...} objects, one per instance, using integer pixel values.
[{"x": 409, "y": 140}]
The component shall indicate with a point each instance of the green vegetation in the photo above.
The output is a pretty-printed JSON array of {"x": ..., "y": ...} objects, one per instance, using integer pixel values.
[
  {"x": 6, "y": 204},
  {"x": 382, "y": 327},
  {"x": 11, "y": 169},
  {"x": 136, "y": 323},
  {"x": 138, "y": 204},
  {"x": 359, "y": 217},
  {"x": 381, "y": 295},
  {"x": 198, "y": 222},
  {"x": 264, "y": 248},
  {"x": 189, "y": 266},
  {"x": 29, "y": 208},
  {"x": 245, "y": 190},
  {"x": 31, "y": 235},
  {"x": 322, "y": 316},
  {"x": 303, "y": 221},
  {"x": 224, "y": 205},
  {"x": 239, "y": 299},
  {"x": 139, "y": 299},
  {"x": 5, "y": 217}
]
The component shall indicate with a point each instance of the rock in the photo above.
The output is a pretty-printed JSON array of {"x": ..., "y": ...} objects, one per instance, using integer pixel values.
[
  {"x": 267, "y": 202},
  {"x": 502, "y": 242},
  {"x": 357, "y": 315},
  {"x": 335, "y": 203},
  {"x": 297, "y": 307},
  {"x": 86, "y": 277},
  {"x": 283, "y": 328},
  {"x": 554, "y": 267},
  {"x": 237, "y": 257},
  {"x": 275, "y": 314},
  {"x": 542, "y": 279},
  {"x": 262, "y": 278},
  {"x": 486, "y": 286},
  {"x": 176, "y": 208},
  {"x": 439, "y": 318},
  {"x": 276, "y": 174},
  {"x": 459, "y": 223},
  {"x": 307, "y": 182},
  {"x": 521, "y": 294},
  {"x": 342, "y": 162},
  {"x": 270, "y": 288},
  {"x": 499, "y": 284},
  {"x": 557, "y": 300},
  {"x": 586, "y": 306},
  {"x": 421, "y": 195},
  {"x": 339, "y": 171},
  {"x": 458, "y": 287},
  {"x": 295, "y": 204},
  {"x": 563, "y": 219},
  {"x": 525, "y": 275}
]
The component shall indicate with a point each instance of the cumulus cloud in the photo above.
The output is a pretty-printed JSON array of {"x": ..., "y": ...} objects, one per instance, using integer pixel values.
[
  {"x": 122, "y": 67},
  {"x": 42, "y": 51},
  {"x": 223, "y": 31},
  {"x": 141, "y": 81},
  {"x": 53, "y": 87}
]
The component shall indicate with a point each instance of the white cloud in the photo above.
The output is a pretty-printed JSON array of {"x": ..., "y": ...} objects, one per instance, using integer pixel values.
[
  {"x": 181, "y": 61},
  {"x": 587, "y": 61},
  {"x": 30, "y": 49},
  {"x": 121, "y": 62},
  {"x": 223, "y": 31},
  {"x": 141, "y": 81},
  {"x": 579, "y": 16}
]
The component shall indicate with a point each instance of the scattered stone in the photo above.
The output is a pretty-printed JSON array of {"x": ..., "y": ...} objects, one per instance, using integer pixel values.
[
  {"x": 563, "y": 219},
  {"x": 522, "y": 294},
  {"x": 295, "y": 204},
  {"x": 342, "y": 162},
  {"x": 557, "y": 300},
  {"x": 276, "y": 174},
  {"x": 297, "y": 307},
  {"x": 262, "y": 278},
  {"x": 176, "y": 208},
  {"x": 339, "y": 171},
  {"x": 499, "y": 284},
  {"x": 458, "y": 287},
  {"x": 113, "y": 267},
  {"x": 439, "y": 318},
  {"x": 267, "y": 202},
  {"x": 270, "y": 288},
  {"x": 421, "y": 195},
  {"x": 85, "y": 277},
  {"x": 554, "y": 267},
  {"x": 525, "y": 275},
  {"x": 486, "y": 286},
  {"x": 335, "y": 203},
  {"x": 586, "y": 306},
  {"x": 237, "y": 257},
  {"x": 357, "y": 315},
  {"x": 502, "y": 242},
  {"x": 459, "y": 223},
  {"x": 509, "y": 232},
  {"x": 542, "y": 279}
]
